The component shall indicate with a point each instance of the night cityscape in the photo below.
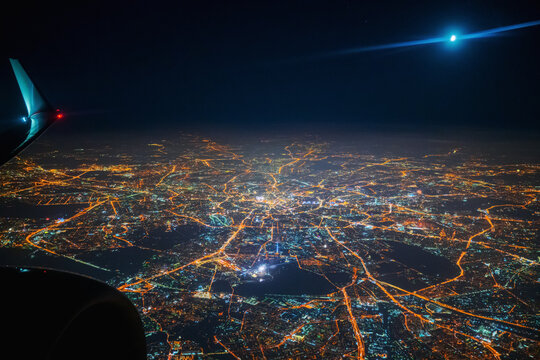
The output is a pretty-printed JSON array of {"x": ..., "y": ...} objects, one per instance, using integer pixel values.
[
  {"x": 282, "y": 180},
  {"x": 293, "y": 249}
]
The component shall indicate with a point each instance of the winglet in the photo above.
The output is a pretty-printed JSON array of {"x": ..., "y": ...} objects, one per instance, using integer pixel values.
[
  {"x": 40, "y": 116},
  {"x": 34, "y": 100}
]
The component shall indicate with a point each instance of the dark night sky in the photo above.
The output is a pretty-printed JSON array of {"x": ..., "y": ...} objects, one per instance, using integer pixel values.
[{"x": 252, "y": 64}]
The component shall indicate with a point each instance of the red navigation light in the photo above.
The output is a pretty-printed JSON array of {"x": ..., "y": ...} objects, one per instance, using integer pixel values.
[{"x": 59, "y": 115}]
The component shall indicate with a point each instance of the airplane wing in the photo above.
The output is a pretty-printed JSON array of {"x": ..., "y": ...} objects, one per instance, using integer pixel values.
[{"x": 40, "y": 115}]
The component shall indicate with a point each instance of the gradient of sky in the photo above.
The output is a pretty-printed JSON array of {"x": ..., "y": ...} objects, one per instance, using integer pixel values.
[{"x": 255, "y": 64}]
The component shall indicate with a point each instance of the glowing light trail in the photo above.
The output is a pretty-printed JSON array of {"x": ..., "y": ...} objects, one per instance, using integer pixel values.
[
  {"x": 490, "y": 32},
  {"x": 441, "y": 39}
]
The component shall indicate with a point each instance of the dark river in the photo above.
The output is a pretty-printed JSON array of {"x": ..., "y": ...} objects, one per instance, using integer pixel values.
[
  {"x": 22, "y": 210},
  {"x": 287, "y": 279},
  {"x": 433, "y": 268},
  {"x": 22, "y": 257}
]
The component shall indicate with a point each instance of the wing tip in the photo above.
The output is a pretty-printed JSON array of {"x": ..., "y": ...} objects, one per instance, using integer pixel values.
[{"x": 33, "y": 98}]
